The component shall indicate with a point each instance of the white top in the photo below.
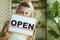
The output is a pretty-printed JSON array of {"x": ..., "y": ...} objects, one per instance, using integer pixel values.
[{"x": 16, "y": 36}]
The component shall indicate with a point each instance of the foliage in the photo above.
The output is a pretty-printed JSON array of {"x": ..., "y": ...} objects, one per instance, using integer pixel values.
[
  {"x": 42, "y": 4},
  {"x": 54, "y": 11},
  {"x": 51, "y": 14},
  {"x": 2, "y": 34},
  {"x": 53, "y": 33}
]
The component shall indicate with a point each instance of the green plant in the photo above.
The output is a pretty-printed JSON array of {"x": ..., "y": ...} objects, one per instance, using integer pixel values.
[
  {"x": 52, "y": 13},
  {"x": 42, "y": 4}
]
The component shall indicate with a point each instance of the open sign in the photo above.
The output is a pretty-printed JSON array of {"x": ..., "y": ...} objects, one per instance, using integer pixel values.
[{"x": 22, "y": 24}]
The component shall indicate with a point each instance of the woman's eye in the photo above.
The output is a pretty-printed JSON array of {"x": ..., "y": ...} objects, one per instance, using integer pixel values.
[
  {"x": 22, "y": 12},
  {"x": 26, "y": 12}
]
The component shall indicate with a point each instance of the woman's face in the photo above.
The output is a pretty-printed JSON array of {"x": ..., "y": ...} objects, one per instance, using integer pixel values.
[{"x": 26, "y": 11}]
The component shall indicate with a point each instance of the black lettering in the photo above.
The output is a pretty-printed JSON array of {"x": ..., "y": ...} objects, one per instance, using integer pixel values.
[
  {"x": 19, "y": 23},
  {"x": 31, "y": 26},
  {"x": 13, "y": 22},
  {"x": 24, "y": 25}
]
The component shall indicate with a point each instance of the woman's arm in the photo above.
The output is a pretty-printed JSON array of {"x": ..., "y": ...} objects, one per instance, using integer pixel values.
[{"x": 6, "y": 33}]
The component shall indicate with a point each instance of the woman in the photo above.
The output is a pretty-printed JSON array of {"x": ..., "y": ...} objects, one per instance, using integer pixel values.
[{"x": 23, "y": 9}]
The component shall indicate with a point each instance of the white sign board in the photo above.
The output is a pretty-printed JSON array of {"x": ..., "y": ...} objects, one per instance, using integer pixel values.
[{"x": 22, "y": 24}]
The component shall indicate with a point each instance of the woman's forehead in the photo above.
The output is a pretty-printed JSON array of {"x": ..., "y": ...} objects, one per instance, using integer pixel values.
[{"x": 25, "y": 8}]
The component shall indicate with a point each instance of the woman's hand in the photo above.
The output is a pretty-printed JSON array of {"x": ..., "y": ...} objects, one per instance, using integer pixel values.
[
  {"x": 7, "y": 33},
  {"x": 32, "y": 37}
]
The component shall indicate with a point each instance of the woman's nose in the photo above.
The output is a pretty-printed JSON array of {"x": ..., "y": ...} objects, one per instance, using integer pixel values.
[{"x": 22, "y": 13}]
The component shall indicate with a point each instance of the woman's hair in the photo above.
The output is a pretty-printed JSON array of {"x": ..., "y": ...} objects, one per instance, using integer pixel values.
[{"x": 25, "y": 4}]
